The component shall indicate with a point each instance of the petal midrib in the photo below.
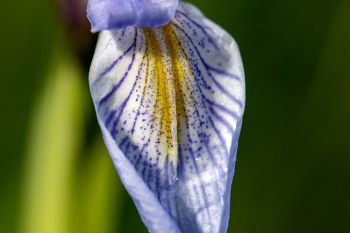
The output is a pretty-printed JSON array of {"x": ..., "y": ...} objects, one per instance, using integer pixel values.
[{"x": 170, "y": 103}]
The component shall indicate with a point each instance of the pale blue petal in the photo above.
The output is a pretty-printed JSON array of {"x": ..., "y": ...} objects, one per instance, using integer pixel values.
[
  {"x": 170, "y": 102},
  {"x": 115, "y": 14}
]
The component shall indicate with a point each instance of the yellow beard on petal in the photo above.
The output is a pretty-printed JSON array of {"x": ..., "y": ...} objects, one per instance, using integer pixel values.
[{"x": 170, "y": 104}]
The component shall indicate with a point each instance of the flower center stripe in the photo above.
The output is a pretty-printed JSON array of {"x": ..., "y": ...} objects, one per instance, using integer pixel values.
[
  {"x": 169, "y": 106},
  {"x": 163, "y": 108}
]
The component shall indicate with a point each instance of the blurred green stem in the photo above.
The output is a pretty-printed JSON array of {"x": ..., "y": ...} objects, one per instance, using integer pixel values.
[
  {"x": 98, "y": 193},
  {"x": 63, "y": 191},
  {"x": 55, "y": 138}
]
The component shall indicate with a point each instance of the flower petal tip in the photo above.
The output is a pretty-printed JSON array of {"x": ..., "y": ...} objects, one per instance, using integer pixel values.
[
  {"x": 170, "y": 102},
  {"x": 116, "y": 14}
]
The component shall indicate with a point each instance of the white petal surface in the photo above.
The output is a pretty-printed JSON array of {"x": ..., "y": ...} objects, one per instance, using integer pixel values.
[{"x": 170, "y": 102}]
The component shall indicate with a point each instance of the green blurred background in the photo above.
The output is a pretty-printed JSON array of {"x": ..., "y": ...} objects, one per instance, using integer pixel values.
[{"x": 293, "y": 169}]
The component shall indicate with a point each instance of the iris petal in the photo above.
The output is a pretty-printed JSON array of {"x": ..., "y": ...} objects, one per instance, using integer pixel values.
[
  {"x": 114, "y": 14},
  {"x": 170, "y": 102}
]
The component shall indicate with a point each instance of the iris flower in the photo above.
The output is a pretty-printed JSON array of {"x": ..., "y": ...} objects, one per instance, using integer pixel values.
[{"x": 169, "y": 94}]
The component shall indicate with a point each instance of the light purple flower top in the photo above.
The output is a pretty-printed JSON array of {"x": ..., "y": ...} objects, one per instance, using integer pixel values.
[{"x": 115, "y": 14}]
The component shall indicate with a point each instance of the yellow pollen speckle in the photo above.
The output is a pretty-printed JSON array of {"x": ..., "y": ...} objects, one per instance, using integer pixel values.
[{"x": 170, "y": 103}]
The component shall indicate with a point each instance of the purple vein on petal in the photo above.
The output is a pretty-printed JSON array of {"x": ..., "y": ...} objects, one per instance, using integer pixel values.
[{"x": 115, "y": 87}]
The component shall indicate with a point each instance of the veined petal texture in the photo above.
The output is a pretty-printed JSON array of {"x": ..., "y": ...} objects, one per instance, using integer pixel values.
[
  {"x": 170, "y": 102},
  {"x": 114, "y": 14}
]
